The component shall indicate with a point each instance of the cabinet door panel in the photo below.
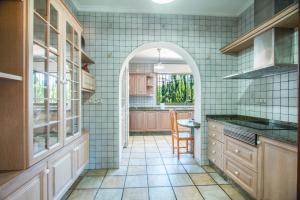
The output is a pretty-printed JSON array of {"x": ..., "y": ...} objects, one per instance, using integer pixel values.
[
  {"x": 140, "y": 85},
  {"x": 82, "y": 155},
  {"x": 132, "y": 84},
  {"x": 137, "y": 121},
  {"x": 163, "y": 121},
  {"x": 151, "y": 122}
]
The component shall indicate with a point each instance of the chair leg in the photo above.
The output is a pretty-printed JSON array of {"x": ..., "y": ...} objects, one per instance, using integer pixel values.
[
  {"x": 193, "y": 148},
  {"x": 187, "y": 146},
  {"x": 173, "y": 143},
  {"x": 178, "y": 149}
]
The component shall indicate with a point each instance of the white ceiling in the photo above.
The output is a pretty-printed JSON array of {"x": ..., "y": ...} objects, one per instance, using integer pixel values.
[
  {"x": 151, "y": 56},
  {"x": 185, "y": 7}
]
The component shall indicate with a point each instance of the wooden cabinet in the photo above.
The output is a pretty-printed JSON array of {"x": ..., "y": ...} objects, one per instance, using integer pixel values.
[
  {"x": 45, "y": 106},
  {"x": 151, "y": 121},
  {"x": 88, "y": 82},
  {"x": 137, "y": 121},
  {"x": 277, "y": 170},
  {"x": 163, "y": 121},
  {"x": 215, "y": 143},
  {"x": 141, "y": 85}
]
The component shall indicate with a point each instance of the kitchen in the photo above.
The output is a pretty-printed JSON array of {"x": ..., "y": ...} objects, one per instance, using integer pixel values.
[{"x": 71, "y": 127}]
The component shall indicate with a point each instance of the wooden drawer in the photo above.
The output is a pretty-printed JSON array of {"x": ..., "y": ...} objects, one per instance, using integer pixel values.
[
  {"x": 215, "y": 152},
  {"x": 241, "y": 152},
  {"x": 245, "y": 177},
  {"x": 215, "y": 130}
]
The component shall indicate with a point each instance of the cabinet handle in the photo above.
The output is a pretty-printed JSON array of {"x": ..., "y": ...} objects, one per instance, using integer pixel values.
[
  {"x": 258, "y": 142},
  {"x": 214, "y": 134},
  {"x": 213, "y": 151},
  {"x": 214, "y": 160},
  {"x": 47, "y": 171},
  {"x": 236, "y": 151},
  {"x": 214, "y": 126},
  {"x": 214, "y": 143},
  {"x": 236, "y": 173}
]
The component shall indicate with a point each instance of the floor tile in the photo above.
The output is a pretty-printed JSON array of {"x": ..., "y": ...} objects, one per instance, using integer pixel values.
[
  {"x": 161, "y": 193},
  {"x": 83, "y": 194},
  {"x": 208, "y": 168},
  {"x": 113, "y": 182},
  {"x": 202, "y": 179},
  {"x": 232, "y": 192},
  {"x": 154, "y": 161},
  {"x": 116, "y": 172},
  {"x": 171, "y": 161},
  {"x": 96, "y": 172},
  {"x": 158, "y": 180},
  {"x": 137, "y": 155},
  {"x": 193, "y": 169},
  {"x": 137, "y": 161},
  {"x": 136, "y": 181},
  {"x": 152, "y": 155},
  {"x": 175, "y": 169},
  {"x": 137, "y": 170},
  {"x": 156, "y": 169},
  {"x": 90, "y": 182},
  {"x": 135, "y": 194},
  {"x": 188, "y": 161},
  {"x": 187, "y": 193},
  {"x": 219, "y": 179},
  {"x": 109, "y": 194},
  {"x": 213, "y": 192},
  {"x": 180, "y": 180}
]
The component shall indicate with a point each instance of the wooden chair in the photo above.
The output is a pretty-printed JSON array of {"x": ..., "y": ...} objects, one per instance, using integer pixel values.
[{"x": 180, "y": 136}]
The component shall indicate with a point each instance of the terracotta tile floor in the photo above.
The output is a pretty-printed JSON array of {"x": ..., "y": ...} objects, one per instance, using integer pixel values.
[{"x": 149, "y": 170}]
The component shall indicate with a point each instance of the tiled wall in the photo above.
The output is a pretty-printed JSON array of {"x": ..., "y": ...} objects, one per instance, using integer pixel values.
[
  {"x": 273, "y": 97},
  {"x": 110, "y": 37},
  {"x": 141, "y": 100}
]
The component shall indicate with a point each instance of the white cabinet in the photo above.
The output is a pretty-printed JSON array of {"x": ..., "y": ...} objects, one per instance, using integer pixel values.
[{"x": 88, "y": 82}]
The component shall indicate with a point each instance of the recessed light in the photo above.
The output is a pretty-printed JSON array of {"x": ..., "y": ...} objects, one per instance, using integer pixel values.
[{"x": 162, "y": 1}]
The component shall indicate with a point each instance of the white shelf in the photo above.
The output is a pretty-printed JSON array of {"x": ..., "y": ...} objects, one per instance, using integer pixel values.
[{"x": 10, "y": 76}]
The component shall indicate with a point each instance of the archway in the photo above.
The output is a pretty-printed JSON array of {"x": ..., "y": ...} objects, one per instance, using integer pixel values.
[{"x": 196, "y": 74}]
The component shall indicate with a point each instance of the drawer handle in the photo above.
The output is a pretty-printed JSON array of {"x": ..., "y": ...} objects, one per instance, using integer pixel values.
[
  {"x": 214, "y": 134},
  {"x": 214, "y": 143},
  {"x": 214, "y": 160},
  {"x": 213, "y": 151},
  {"x": 236, "y": 151},
  {"x": 236, "y": 173},
  {"x": 47, "y": 171}
]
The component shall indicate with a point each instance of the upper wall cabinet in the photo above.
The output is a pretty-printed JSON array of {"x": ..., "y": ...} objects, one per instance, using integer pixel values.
[{"x": 40, "y": 113}]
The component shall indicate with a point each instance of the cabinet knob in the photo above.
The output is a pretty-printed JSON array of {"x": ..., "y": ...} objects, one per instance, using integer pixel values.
[
  {"x": 236, "y": 173},
  {"x": 214, "y": 160},
  {"x": 258, "y": 142},
  {"x": 236, "y": 151},
  {"x": 214, "y": 143},
  {"x": 214, "y": 126},
  {"x": 214, "y": 134},
  {"x": 213, "y": 151},
  {"x": 47, "y": 171}
]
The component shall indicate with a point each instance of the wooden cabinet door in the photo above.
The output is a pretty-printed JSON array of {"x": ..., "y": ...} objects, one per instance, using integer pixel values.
[
  {"x": 151, "y": 121},
  {"x": 163, "y": 121},
  {"x": 61, "y": 174},
  {"x": 137, "y": 120},
  {"x": 140, "y": 85},
  {"x": 35, "y": 189},
  {"x": 132, "y": 85},
  {"x": 277, "y": 170}
]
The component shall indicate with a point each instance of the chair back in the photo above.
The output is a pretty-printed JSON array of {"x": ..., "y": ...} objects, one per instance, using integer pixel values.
[{"x": 173, "y": 122}]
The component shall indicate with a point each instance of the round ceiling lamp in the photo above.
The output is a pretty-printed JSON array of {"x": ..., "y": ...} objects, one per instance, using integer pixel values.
[{"x": 162, "y": 1}]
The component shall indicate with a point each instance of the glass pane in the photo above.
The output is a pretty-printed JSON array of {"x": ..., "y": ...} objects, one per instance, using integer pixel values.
[
  {"x": 76, "y": 38},
  {"x": 39, "y": 58},
  {"x": 53, "y": 17},
  {"x": 75, "y": 74},
  {"x": 75, "y": 87},
  {"x": 69, "y": 51},
  {"x": 39, "y": 30},
  {"x": 53, "y": 66},
  {"x": 75, "y": 125},
  {"x": 53, "y": 99},
  {"x": 39, "y": 139},
  {"x": 53, "y": 110},
  {"x": 39, "y": 98},
  {"x": 53, "y": 87},
  {"x": 68, "y": 94},
  {"x": 53, "y": 134},
  {"x": 69, "y": 32},
  {"x": 75, "y": 108},
  {"x": 68, "y": 71},
  {"x": 40, "y": 6},
  {"x": 76, "y": 56},
  {"x": 53, "y": 40},
  {"x": 69, "y": 128}
]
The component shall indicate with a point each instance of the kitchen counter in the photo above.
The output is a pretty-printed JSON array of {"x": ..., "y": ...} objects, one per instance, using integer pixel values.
[
  {"x": 157, "y": 108},
  {"x": 285, "y": 136}
]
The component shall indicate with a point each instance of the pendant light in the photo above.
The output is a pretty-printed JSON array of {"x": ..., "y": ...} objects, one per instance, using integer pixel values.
[
  {"x": 159, "y": 65},
  {"x": 162, "y": 1}
]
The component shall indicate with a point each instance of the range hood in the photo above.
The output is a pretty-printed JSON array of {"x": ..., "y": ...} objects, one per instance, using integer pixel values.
[{"x": 273, "y": 49}]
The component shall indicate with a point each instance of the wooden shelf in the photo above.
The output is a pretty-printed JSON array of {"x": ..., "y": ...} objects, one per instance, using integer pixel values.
[
  {"x": 10, "y": 76},
  {"x": 287, "y": 18},
  {"x": 86, "y": 59}
]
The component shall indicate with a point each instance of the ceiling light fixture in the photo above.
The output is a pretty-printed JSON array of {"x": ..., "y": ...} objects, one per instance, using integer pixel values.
[
  {"x": 162, "y": 1},
  {"x": 159, "y": 65}
]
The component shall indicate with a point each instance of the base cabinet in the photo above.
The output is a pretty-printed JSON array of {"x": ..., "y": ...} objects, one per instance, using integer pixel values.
[
  {"x": 50, "y": 178},
  {"x": 277, "y": 170}
]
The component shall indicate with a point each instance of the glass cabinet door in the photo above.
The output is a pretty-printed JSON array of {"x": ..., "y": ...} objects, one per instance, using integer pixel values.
[
  {"x": 72, "y": 87},
  {"x": 45, "y": 78}
]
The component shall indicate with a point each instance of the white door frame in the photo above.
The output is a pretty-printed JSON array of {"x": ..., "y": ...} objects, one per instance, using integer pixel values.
[{"x": 197, "y": 84}]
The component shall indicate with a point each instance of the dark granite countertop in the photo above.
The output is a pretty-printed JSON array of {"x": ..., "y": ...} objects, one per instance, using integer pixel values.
[
  {"x": 286, "y": 136},
  {"x": 157, "y": 108}
]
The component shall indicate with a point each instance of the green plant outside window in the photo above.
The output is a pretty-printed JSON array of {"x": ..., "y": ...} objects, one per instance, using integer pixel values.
[{"x": 175, "y": 89}]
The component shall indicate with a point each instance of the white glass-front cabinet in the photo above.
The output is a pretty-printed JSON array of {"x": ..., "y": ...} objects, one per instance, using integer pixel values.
[{"x": 40, "y": 112}]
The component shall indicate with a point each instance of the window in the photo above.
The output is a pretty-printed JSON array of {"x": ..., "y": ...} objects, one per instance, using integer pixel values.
[{"x": 175, "y": 89}]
